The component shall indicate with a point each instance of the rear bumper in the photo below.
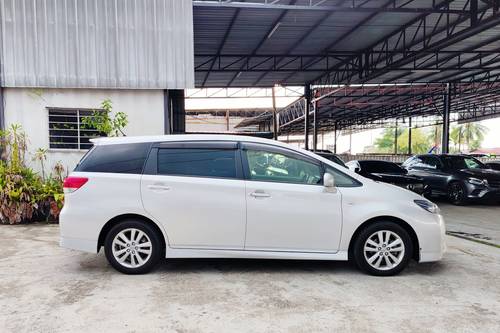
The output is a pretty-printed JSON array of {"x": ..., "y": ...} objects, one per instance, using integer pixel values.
[{"x": 78, "y": 244}]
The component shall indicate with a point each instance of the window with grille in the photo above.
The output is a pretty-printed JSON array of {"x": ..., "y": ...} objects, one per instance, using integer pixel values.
[{"x": 67, "y": 131}]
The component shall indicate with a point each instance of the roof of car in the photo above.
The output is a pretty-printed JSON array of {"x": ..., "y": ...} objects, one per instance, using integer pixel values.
[
  {"x": 180, "y": 137},
  {"x": 370, "y": 161}
]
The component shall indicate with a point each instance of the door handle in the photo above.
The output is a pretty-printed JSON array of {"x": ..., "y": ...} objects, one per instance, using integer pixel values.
[
  {"x": 158, "y": 187},
  {"x": 258, "y": 194}
]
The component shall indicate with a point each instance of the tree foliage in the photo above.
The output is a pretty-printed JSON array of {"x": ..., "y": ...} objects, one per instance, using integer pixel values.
[
  {"x": 105, "y": 121},
  {"x": 420, "y": 141},
  {"x": 468, "y": 136}
]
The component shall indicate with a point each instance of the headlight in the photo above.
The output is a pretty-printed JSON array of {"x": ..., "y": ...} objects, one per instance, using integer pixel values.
[
  {"x": 428, "y": 206},
  {"x": 476, "y": 181}
]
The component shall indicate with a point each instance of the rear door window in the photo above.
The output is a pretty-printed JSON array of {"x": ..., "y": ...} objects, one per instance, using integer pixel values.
[{"x": 197, "y": 162}]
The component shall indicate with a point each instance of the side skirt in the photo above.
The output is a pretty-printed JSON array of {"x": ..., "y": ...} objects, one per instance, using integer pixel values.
[{"x": 246, "y": 254}]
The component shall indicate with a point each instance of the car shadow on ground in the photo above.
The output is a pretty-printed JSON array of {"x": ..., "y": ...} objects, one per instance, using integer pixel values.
[{"x": 264, "y": 266}]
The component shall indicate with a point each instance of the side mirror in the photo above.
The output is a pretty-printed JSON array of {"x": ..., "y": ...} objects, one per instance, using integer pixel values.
[
  {"x": 328, "y": 180},
  {"x": 354, "y": 167}
]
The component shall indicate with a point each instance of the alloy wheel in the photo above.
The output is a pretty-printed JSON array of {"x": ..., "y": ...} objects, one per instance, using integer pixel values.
[
  {"x": 132, "y": 248},
  {"x": 384, "y": 250},
  {"x": 456, "y": 192}
]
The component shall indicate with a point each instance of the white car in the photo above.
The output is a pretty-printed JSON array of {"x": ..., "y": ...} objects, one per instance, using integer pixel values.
[{"x": 222, "y": 196}]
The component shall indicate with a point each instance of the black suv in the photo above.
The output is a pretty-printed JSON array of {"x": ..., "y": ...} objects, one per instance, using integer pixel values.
[{"x": 461, "y": 178}]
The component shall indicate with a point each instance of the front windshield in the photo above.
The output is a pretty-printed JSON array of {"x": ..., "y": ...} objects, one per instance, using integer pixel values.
[{"x": 463, "y": 162}]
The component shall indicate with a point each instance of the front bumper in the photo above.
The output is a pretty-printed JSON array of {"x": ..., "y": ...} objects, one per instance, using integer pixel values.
[
  {"x": 436, "y": 242},
  {"x": 476, "y": 192}
]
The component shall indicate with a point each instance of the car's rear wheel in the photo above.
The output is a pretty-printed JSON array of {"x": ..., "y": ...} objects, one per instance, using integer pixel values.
[
  {"x": 383, "y": 249},
  {"x": 133, "y": 247},
  {"x": 457, "y": 194}
]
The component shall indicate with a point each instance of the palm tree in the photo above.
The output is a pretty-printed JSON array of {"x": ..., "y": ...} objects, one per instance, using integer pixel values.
[{"x": 472, "y": 133}]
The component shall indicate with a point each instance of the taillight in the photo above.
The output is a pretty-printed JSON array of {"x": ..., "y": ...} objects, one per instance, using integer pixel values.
[{"x": 71, "y": 184}]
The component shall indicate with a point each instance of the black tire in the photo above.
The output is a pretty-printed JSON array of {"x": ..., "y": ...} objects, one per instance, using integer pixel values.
[
  {"x": 457, "y": 194},
  {"x": 150, "y": 261},
  {"x": 385, "y": 270}
]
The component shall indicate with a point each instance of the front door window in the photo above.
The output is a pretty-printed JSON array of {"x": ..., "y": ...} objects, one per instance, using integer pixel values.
[{"x": 275, "y": 167}]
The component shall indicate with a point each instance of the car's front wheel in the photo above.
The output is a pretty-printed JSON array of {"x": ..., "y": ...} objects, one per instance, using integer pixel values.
[
  {"x": 383, "y": 249},
  {"x": 457, "y": 194},
  {"x": 133, "y": 247}
]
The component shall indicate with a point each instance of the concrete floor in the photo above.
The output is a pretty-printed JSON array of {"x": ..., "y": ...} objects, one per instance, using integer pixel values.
[
  {"x": 480, "y": 222},
  {"x": 44, "y": 288}
]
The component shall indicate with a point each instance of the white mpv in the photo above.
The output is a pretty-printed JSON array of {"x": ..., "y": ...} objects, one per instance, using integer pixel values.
[{"x": 221, "y": 196}]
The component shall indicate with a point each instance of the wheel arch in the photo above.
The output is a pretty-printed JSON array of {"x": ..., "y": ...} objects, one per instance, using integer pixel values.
[
  {"x": 117, "y": 219},
  {"x": 402, "y": 223}
]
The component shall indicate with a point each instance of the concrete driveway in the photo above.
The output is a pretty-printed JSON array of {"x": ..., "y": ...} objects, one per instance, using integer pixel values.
[
  {"x": 44, "y": 288},
  {"x": 474, "y": 221}
]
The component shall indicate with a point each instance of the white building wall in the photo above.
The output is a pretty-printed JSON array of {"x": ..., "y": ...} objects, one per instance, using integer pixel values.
[{"x": 28, "y": 107}]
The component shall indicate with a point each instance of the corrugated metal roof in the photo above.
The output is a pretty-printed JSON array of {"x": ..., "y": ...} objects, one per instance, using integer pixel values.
[
  {"x": 97, "y": 43},
  {"x": 281, "y": 31}
]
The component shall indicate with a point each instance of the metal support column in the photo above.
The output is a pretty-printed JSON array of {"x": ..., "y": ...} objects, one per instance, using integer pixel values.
[
  {"x": 307, "y": 109},
  {"x": 275, "y": 116},
  {"x": 335, "y": 139},
  {"x": 315, "y": 129},
  {"x": 396, "y": 138},
  {"x": 409, "y": 136},
  {"x": 445, "y": 143},
  {"x": 174, "y": 111},
  {"x": 473, "y": 12}
]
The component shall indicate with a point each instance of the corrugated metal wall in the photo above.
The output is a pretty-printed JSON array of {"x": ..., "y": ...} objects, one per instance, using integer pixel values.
[{"x": 97, "y": 43}]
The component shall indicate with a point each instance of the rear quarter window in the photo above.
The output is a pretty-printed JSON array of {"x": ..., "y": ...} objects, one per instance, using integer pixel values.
[{"x": 120, "y": 158}]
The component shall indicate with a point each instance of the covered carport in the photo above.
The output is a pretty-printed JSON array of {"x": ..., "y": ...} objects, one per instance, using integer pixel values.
[{"x": 363, "y": 64}]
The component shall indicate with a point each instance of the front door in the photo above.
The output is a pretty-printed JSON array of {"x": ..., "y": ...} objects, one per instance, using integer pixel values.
[
  {"x": 288, "y": 209},
  {"x": 196, "y": 190}
]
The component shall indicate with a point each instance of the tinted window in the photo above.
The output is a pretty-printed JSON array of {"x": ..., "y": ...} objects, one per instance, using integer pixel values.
[
  {"x": 218, "y": 163},
  {"x": 425, "y": 162},
  {"x": 380, "y": 167},
  {"x": 277, "y": 167},
  {"x": 461, "y": 162},
  {"x": 121, "y": 158}
]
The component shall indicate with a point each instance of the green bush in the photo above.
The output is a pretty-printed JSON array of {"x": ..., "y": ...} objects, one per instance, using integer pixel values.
[{"x": 25, "y": 196}]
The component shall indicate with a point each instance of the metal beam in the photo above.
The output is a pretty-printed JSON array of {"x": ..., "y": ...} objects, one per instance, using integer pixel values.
[{"x": 338, "y": 9}]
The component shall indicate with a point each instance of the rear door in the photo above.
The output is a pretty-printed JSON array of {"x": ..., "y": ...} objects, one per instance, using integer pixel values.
[{"x": 196, "y": 190}]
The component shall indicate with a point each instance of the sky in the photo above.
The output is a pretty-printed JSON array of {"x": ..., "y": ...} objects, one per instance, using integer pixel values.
[{"x": 359, "y": 140}]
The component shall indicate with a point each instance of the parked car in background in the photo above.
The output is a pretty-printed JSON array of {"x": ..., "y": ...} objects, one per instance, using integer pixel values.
[
  {"x": 330, "y": 156},
  {"x": 459, "y": 177},
  {"x": 223, "y": 196},
  {"x": 388, "y": 172},
  {"x": 494, "y": 165}
]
